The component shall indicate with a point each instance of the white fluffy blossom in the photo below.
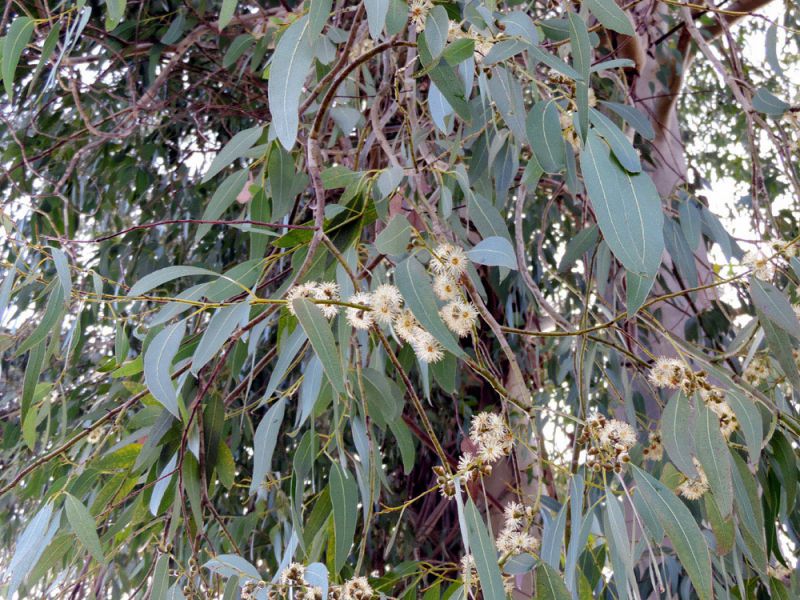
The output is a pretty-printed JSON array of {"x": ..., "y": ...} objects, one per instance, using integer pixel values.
[
  {"x": 449, "y": 260},
  {"x": 386, "y": 302},
  {"x": 360, "y": 318},
  {"x": 459, "y": 316}
]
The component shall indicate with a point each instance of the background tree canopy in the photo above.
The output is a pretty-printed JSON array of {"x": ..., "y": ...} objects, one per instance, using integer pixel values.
[{"x": 333, "y": 299}]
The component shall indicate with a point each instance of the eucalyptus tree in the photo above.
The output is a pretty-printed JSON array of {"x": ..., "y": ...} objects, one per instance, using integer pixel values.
[{"x": 373, "y": 299}]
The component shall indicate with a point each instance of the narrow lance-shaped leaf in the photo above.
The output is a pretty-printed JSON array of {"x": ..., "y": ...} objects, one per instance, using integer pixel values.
[
  {"x": 83, "y": 525},
  {"x": 681, "y": 528},
  {"x": 290, "y": 64},
  {"x": 713, "y": 454},
  {"x": 264, "y": 443},
  {"x": 549, "y": 584},
  {"x": 676, "y": 433},
  {"x": 158, "y": 366},
  {"x": 775, "y": 305},
  {"x": 219, "y": 330},
  {"x": 485, "y": 554},
  {"x": 544, "y": 133},
  {"x": 344, "y": 497},
  {"x": 18, "y": 36},
  {"x": 321, "y": 337}
]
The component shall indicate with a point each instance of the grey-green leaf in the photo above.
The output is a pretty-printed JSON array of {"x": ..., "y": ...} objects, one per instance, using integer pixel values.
[
  {"x": 768, "y": 103},
  {"x": 158, "y": 363},
  {"x": 628, "y": 208},
  {"x": 610, "y": 16},
  {"x": 494, "y": 252},
  {"x": 393, "y": 240},
  {"x": 436, "y": 26},
  {"x": 221, "y": 200},
  {"x": 344, "y": 497},
  {"x": 485, "y": 554},
  {"x": 750, "y": 421},
  {"x": 290, "y": 64},
  {"x": 676, "y": 433},
  {"x": 712, "y": 452},
  {"x": 620, "y": 146},
  {"x": 321, "y": 337},
  {"x": 544, "y": 133},
  {"x": 160, "y": 585},
  {"x": 775, "y": 305},
  {"x": 681, "y": 528},
  {"x": 18, "y": 36},
  {"x": 264, "y": 442},
  {"x": 634, "y": 117},
  {"x": 376, "y": 16},
  {"x": 549, "y": 585},
  {"x": 638, "y": 287},
  {"x": 415, "y": 286},
  {"x": 157, "y": 278},
  {"x": 220, "y": 328},
  {"x": 226, "y": 13},
  {"x": 83, "y": 525},
  {"x": 236, "y": 147}
]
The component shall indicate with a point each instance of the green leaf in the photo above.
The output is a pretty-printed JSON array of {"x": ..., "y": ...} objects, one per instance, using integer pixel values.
[
  {"x": 221, "y": 200},
  {"x": 485, "y": 554},
  {"x": 414, "y": 284},
  {"x": 18, "y": 36},
  {"x": 749, "y": 512},
  {"x": 239, "y": 46},
  {"x": 724, "y": 529},
  {"x": 289, "y": 347},
  {"x": 780, "y": 344},
  {"x": 376, "y": 16},
  {"x": 158, "y": 359},
  {"x": 321, "y": 337},
  {"x": 435, "y": 32},
  {"x": 281, "y": 173},
  {"x": 486, "y": 218},
  {"x": 544, "y": 133},
  {"x": 549, "y": 584},
  {"x": 712, "y": 452},
  {"x": 676, "y": 433},
  {"x": 620, "y": 145},
  {"x": 458, "y": 51},
  {"x": 554, "y": 63},
  {"x": 115, "y": 11},
  {"x": 160, "y": 584},
  {"x": 344, "y": 497},
  {"x": 582, "y": 60},
  {"x": 405, "y": 443},
  {"x": 611, "y": 16},
  {"x": 29, "y": 547},
  {"x": 771, "y": 49},
  {"x": 775, "y": 305},
  {"x": 192, "y": 487},
  {"x": 230, "y": 565},
  {"x": 236, "y": 147},
  {"x": 749, "y": 418},
  {"x": 638, "y": 287},
  {"x": 157, "y": 278},
  {"x": 291, "y": 62},
  {"x": 494, "y": 252},
  {"x": 219, "y": 330},
  {"x": 226, "y": 13},
  {"x": 83, "y": 525},
  {"x": 681, "y": 528},
  {"x": 393, "y": 240},
  {"x": 628, "y": 208},
  {"x": 264, "y": 442},
  {"x": 52, "y": 315},
  {"x": 175, "y": 29},
  {"x": 634, "y": 118},
  {"x": 580, "y": 243},
  {"x": 768, "y": 103}
]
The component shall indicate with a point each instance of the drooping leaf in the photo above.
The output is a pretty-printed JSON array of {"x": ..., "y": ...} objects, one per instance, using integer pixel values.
[
  {"x": 494, "y": 251},
  {"x": 18, "y": 36},
  {"x": 611, "y": 16},
  {"x": 415, "y": 286},
  {"x": 484, "y": 552},
  {"x": 712, "y": 452},
  {"x": 226, "y": 13},
  {"x": 219, "y": 330},
  {"x": 291, "y": 62},
  {"x": 393, "y": 240},
  {"x": 264, "y": 442},
  {"x": 84, "y": 526},
  {"x": 768, "y": 103},
  {"x": 549, "y": 584},
  {"x": 749, "y": 418},
  {"x": 158, "y": 359},
  {"x": 620, "y": 146},
  {"x": 344, "y": 498},
  {"x": 232, "y": 565},
  {"x": 634, "y": 117},
  {"x": 681, "y": 528},
  {"x": 627, "y": 207},
  {"x": 321, "y": 337},
  {"x": 236, "y": 147},
  {"x": 544, "y": 133},
  {"x": 775, "y": 305},
  {"x": 676, "y": 433},
  {"x": 161, "y": 276}
]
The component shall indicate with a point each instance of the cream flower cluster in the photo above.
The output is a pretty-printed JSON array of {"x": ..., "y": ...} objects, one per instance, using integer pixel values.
[
  {"x": 693, "y": 489},
  {"x": 673, "y": 373},
  {"x": 757, "y": 371},
  {"x": 515, "y": 538},
  {"x": 313, "y": 290},
  {"x": 293, "y": 576},
  {"x": 492, "y": 440},
  {"x": 610, "y": 441},
  {"x": 763, "y": 264},
  {"x": 418, "y": 13},
  {"x": 654, "y": 449}
]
